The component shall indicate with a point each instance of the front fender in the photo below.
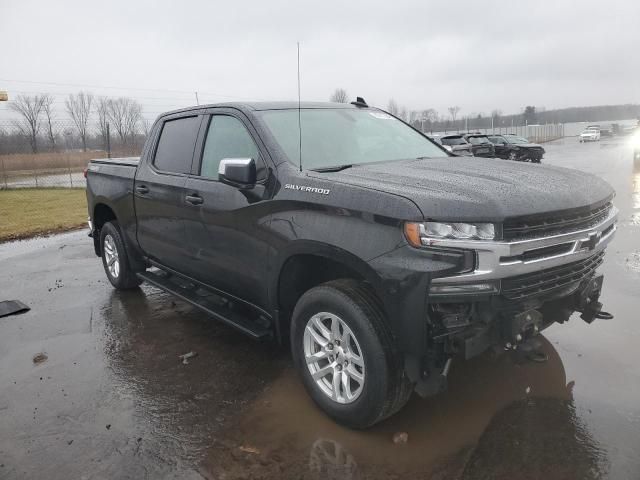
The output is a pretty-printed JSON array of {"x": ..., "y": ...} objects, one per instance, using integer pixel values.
[{"x": 318, "y": 249}]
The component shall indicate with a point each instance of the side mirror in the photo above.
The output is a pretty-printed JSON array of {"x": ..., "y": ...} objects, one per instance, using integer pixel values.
[
  {"x": 448, "y": 148},
  {"x": 238, "y": 172}
]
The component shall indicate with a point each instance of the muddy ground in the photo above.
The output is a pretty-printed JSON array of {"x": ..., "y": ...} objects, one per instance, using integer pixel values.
[{"x": 109, "y": 397}]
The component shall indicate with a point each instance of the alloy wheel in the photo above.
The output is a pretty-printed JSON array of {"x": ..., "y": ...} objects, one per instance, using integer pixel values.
[
  {"x": 111, "y": 256},
  {"x": 334, "y": 357}
]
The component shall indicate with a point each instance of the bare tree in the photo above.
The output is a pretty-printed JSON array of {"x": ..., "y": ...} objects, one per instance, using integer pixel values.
[
  {"x": 424, "y": 119},
  {"x": 339, "y": 96},
  {"x": 124, "y": 114},
  {"x": 132, "y": 119},
  {"x": 392, "y": 107},
  {"x": 453, "y": 111},
  {"x": 79, "y": 109},
  {"x": 146, "y": 126},
  {"x": 47, "y": 108},
  {"x": 430, "y": 115},
  {"x": 102, "y": 109},
  {"x": 30, "y": 109},
  {"x": 116, "y": 113}
]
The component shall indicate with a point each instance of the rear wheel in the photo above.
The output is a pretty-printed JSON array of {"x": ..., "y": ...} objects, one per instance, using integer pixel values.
[
  {"x": 346, "y": 355},
  {"x": 114, "y": 258}
]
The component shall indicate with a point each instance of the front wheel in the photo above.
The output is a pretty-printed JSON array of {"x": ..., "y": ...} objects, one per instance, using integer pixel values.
[
  {"x": 512, "y": 156},
  {"x": 114, "y": 258},
  {"x": 346, "y": 355}
]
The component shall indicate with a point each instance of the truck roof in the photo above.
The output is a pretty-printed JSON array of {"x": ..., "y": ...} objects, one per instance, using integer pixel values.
[{"x": 259, "y": 106}]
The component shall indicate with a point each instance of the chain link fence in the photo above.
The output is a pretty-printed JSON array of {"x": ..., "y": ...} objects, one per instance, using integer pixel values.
[
  {"x": 533, "y": 133},
  {"x": 42, "y": 176},
  {"x": 57, "y": 154}
]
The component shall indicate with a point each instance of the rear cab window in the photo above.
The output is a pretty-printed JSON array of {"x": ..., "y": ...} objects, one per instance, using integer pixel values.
[{"x": 174, "y": 152}]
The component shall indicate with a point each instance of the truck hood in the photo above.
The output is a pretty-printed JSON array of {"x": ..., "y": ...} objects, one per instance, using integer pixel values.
[{"x": 473, "y": 189}]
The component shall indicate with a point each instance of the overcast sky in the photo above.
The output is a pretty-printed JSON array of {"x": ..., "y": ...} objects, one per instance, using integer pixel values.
[{"x": 479, "y": 55}]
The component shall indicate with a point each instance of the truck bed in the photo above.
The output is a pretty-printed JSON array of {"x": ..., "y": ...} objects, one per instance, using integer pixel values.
[{"x": 113, "y": 178}]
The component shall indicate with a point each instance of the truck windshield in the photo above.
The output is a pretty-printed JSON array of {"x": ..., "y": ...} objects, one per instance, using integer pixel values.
[{"x": 334, "y": 137}]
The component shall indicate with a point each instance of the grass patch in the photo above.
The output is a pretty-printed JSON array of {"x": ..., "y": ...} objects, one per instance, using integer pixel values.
[{"x": 26, "y": 212}]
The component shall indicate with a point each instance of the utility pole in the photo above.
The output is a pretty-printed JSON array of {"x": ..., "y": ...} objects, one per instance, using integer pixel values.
[
  {"x": 197, "y": 100},
  {"x": 108, "y": 141}
]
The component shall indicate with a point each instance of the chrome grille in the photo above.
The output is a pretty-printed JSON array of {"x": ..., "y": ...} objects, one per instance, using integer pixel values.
[
  {"x": 545, "y": 281},
  {"x": 540, "y": 226}
]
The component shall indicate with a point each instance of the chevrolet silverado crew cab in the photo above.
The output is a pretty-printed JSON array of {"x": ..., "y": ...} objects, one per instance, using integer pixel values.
[{"x": 375, "y": 253}]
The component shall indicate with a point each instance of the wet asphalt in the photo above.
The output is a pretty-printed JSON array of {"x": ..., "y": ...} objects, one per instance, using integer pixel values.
[{"x": 92, "y": 386}]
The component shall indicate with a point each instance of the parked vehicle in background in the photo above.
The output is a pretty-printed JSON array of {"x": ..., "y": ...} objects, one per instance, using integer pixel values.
[
  {"x": 457, "y": 144},
  {"x": 377, "y": 256},
  {"x": 481, "y": 146},
  {"x": 606, "y": 131},
  {"x": 590, "y": 134},
  {"x": 514, "y": 147}
]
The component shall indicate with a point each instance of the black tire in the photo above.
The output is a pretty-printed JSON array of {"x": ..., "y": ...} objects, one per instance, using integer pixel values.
[
  {"x": 126, "y": 278},
  {"x": 513, "y": 156},
  {"x": 386, "y": 388}
]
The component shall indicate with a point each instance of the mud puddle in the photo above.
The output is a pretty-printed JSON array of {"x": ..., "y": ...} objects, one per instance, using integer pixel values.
[{"x": 283, "y": 431}]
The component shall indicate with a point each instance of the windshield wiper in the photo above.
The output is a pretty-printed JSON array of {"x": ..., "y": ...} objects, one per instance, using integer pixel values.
[{"x": 336, "y": 168}]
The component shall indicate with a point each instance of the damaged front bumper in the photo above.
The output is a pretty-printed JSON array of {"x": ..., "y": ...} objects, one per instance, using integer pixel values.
[{"x": 517, "y": 289}]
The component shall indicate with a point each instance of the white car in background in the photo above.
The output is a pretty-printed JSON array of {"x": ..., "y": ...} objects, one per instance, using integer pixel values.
[{"x": 590, "y": 134}]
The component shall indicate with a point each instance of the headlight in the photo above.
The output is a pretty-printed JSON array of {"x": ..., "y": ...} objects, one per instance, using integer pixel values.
[{"x": 420, "y": 234}]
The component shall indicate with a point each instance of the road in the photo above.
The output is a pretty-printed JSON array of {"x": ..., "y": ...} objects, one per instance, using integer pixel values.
[{"x": 113, "y": 400}]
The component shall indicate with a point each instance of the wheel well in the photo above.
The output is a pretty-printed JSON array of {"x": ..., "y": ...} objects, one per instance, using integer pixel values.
[
  {"x": 303, "y": 272},
  {"x": 101, "y": 215}
]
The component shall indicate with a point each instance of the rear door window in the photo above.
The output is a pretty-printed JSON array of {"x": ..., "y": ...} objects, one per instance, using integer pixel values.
[
  {"x": 227, "y": 137},
  {"x": 177, "y": 142}
]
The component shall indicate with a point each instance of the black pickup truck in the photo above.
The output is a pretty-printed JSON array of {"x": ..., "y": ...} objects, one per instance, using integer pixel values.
[
  {"x": 374, "y": 252},
  {"x": 514, "y": 147}
]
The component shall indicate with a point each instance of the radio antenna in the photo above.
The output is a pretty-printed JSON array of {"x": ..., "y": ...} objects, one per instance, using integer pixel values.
[{"x": 299, "y": 114}]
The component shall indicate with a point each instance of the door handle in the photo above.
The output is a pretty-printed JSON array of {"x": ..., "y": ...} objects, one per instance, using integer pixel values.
[
  {"x": 142, "y": 189},
  {"x": 194, "y": 199}
]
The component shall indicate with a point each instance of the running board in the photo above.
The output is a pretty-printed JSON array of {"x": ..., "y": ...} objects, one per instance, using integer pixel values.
[{"x": 203, "y": 302}]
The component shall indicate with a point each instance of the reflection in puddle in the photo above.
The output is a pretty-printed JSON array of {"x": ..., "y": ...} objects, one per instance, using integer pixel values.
[
  {"x": 537, "y": 438},
  {"x": 329, "y": 460},
  {"x": 443, "y": 431},
  {"x": 175, "y": 410}
]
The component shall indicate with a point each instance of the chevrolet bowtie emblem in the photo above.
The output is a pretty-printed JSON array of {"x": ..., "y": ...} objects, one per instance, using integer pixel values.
[{"x": 594, "y": 239}]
